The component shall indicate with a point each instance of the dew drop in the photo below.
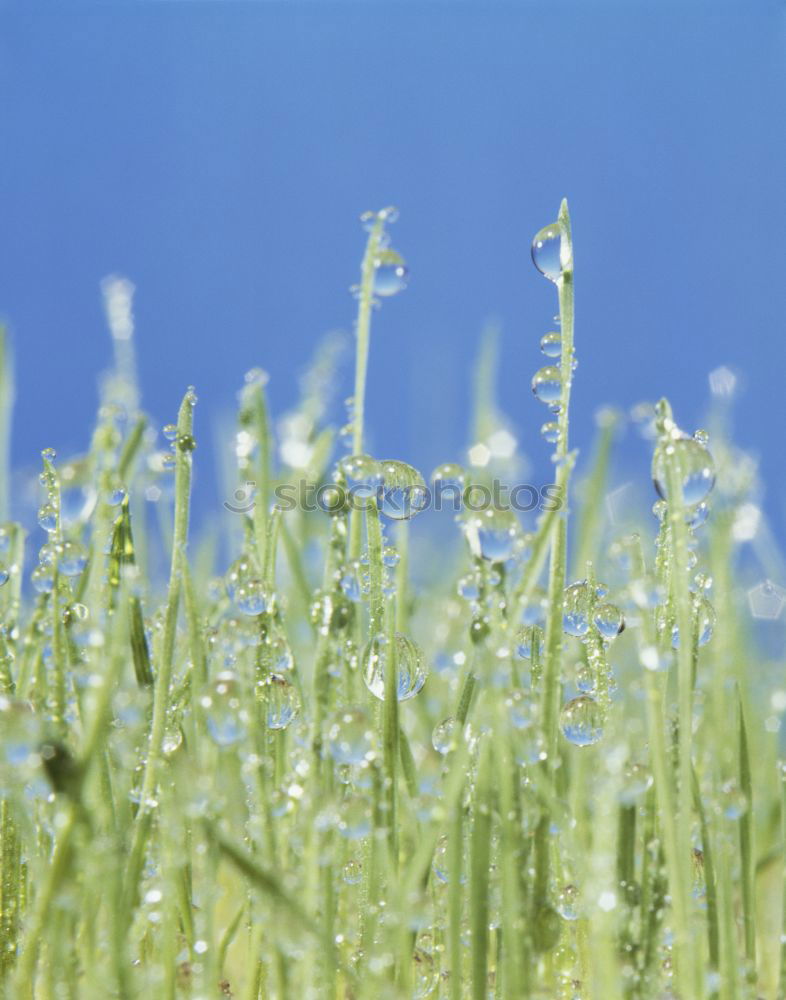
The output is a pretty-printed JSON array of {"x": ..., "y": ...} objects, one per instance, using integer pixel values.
[
  {"x": 696, "y": 466},
  {"x": 705, "y": 622},
  {"x": 72, "y": 558},
  {"x": 245, "y": 589},
  {"x": 492, "y": 534},
  {"x": 443, "y": 735},
  {"x": 43, "y": 579},
  {"x": 568, "y": 902},
  {"x": 550, "y": 431},
  {"x": 581, "y": 721},
  {"x": 226, "y": 719},
  {"x": 636, "y": 782},
  {"x": 551, "y": 344},
  {"x": 362, "y": 474},
  {"x": 547, "y": 385},
  {"x": 349, "y": 736},
  {"x": 169, "y": 431},
  {"x": 608, "y": 620},
  {"x": 576, "y": 610},
  {"x": 529, "y": 637},
  {"x": 5, "y": 576},
  {"x": 282, "y": 701},
  {"x": 410, "y": 670},
  {"x": 352, "y": 872},
  {"x": 403, "y": 493},
  {"x": 391, "y": 274},
  {"x": 47, "y": 517},
  {"x": 551, "y": 251}
]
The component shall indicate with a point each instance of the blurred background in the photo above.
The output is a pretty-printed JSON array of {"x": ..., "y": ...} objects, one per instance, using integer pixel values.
[{"x": 219, "y": 155}]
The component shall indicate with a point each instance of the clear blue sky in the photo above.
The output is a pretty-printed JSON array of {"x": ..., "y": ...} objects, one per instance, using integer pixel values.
[{"x": 219, "y": 154}]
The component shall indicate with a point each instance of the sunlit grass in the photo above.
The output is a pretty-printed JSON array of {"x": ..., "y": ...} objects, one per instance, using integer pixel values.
[{"x": 229, "y": 777}]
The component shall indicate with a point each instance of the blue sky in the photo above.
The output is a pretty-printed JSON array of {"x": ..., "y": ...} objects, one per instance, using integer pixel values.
[{"x": 219, "y": 154}]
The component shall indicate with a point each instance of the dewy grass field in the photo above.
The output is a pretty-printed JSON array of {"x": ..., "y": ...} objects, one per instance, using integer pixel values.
[{"x": 541, "y": 776}]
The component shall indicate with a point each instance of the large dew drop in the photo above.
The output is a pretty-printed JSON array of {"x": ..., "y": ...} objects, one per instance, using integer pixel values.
[
  {"x": 362, "y": 474},
  {"x": 492, "y": 534},
  {"x": 581, "y": 721},
  {"x": 696, "y": 469},
  {"x": 403, "y": 493},
  {"x": 577, "y": 609},
  {"x": 282, "y": 701},
  {"x": 391, "y": 274},
  {"x": 350, "y": 736},
  {"x": 409, "y": 666},
  {"x": 547, "y": 385},
  {"x": 551, "y": 251},
  {"x": 221, "y": 703},
  {"x": 551, "y": 344}
]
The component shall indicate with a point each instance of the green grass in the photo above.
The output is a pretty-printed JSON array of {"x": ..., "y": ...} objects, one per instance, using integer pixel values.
[{"x": 200, "y": 796}]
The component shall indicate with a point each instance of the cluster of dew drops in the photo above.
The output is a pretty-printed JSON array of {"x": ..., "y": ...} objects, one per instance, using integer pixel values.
[{"x": 495, "y": 540}]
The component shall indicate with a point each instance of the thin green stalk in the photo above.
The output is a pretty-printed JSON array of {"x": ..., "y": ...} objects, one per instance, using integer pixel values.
[
  {"x": 185, "y": 426},
  {"x": 556, "y": 584},
  {"x": 363, "y": 334},
  {"x": 479, "y": 874},
  {"x": 746, "y": 841},
  {"x": 688, "y": 966},
  {"x": 390, "y": 725}
]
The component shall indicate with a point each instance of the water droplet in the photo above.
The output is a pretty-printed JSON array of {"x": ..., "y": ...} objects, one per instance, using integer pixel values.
[
  {"x": 608, "y": 620},
  {"x": 4, "y": 575},
  {"x": 696, "y": 516},
  {"x": 43, "y": 579},
  {"x": 282, "y": 701},
  {"x": 245, "y": 589},
  {"x": 350, "y": 736},
  {"x": 547, "y": 385},
  {"x": 362, "y": 474},
  {"x": 705, "y": 622},
  {"x": 577, "y": 606},
  {"x": 492, "y": 533},
  {"x": 169, "y": 431},
  {"x": 636, "y": 782},
  {"x": 581, "y": 721},
  {"x": 550, "y": 431},
  {"x": 354, "y": 819},
  {"x": 277, "y": 655},
  {"x": 410, "y": 670},
  {"x": 568, "y": 902},
  {"x": 72, "y": 558},
  {"x": 529, "y": 637},
  {"x": 468, "y": 587},
  {"x": 449, "y": 480},
  {"x": 47, "y": 517},
  {"x": 354, "y": 582},
  {"x": 168, "y": 460},
  {"x": 391, "y": 273},
  {"x": 225, "y": 717},
  {"x": 551, "y": 251},
  {"x": 443, "y": 735},
  {"x": 390, "y": 557},
  {"x": 696, "y": 467},
  {"x": 352, "y": 872},
  {"x": 551, "y": 344},
  {"x": 403, "y": 493}
]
